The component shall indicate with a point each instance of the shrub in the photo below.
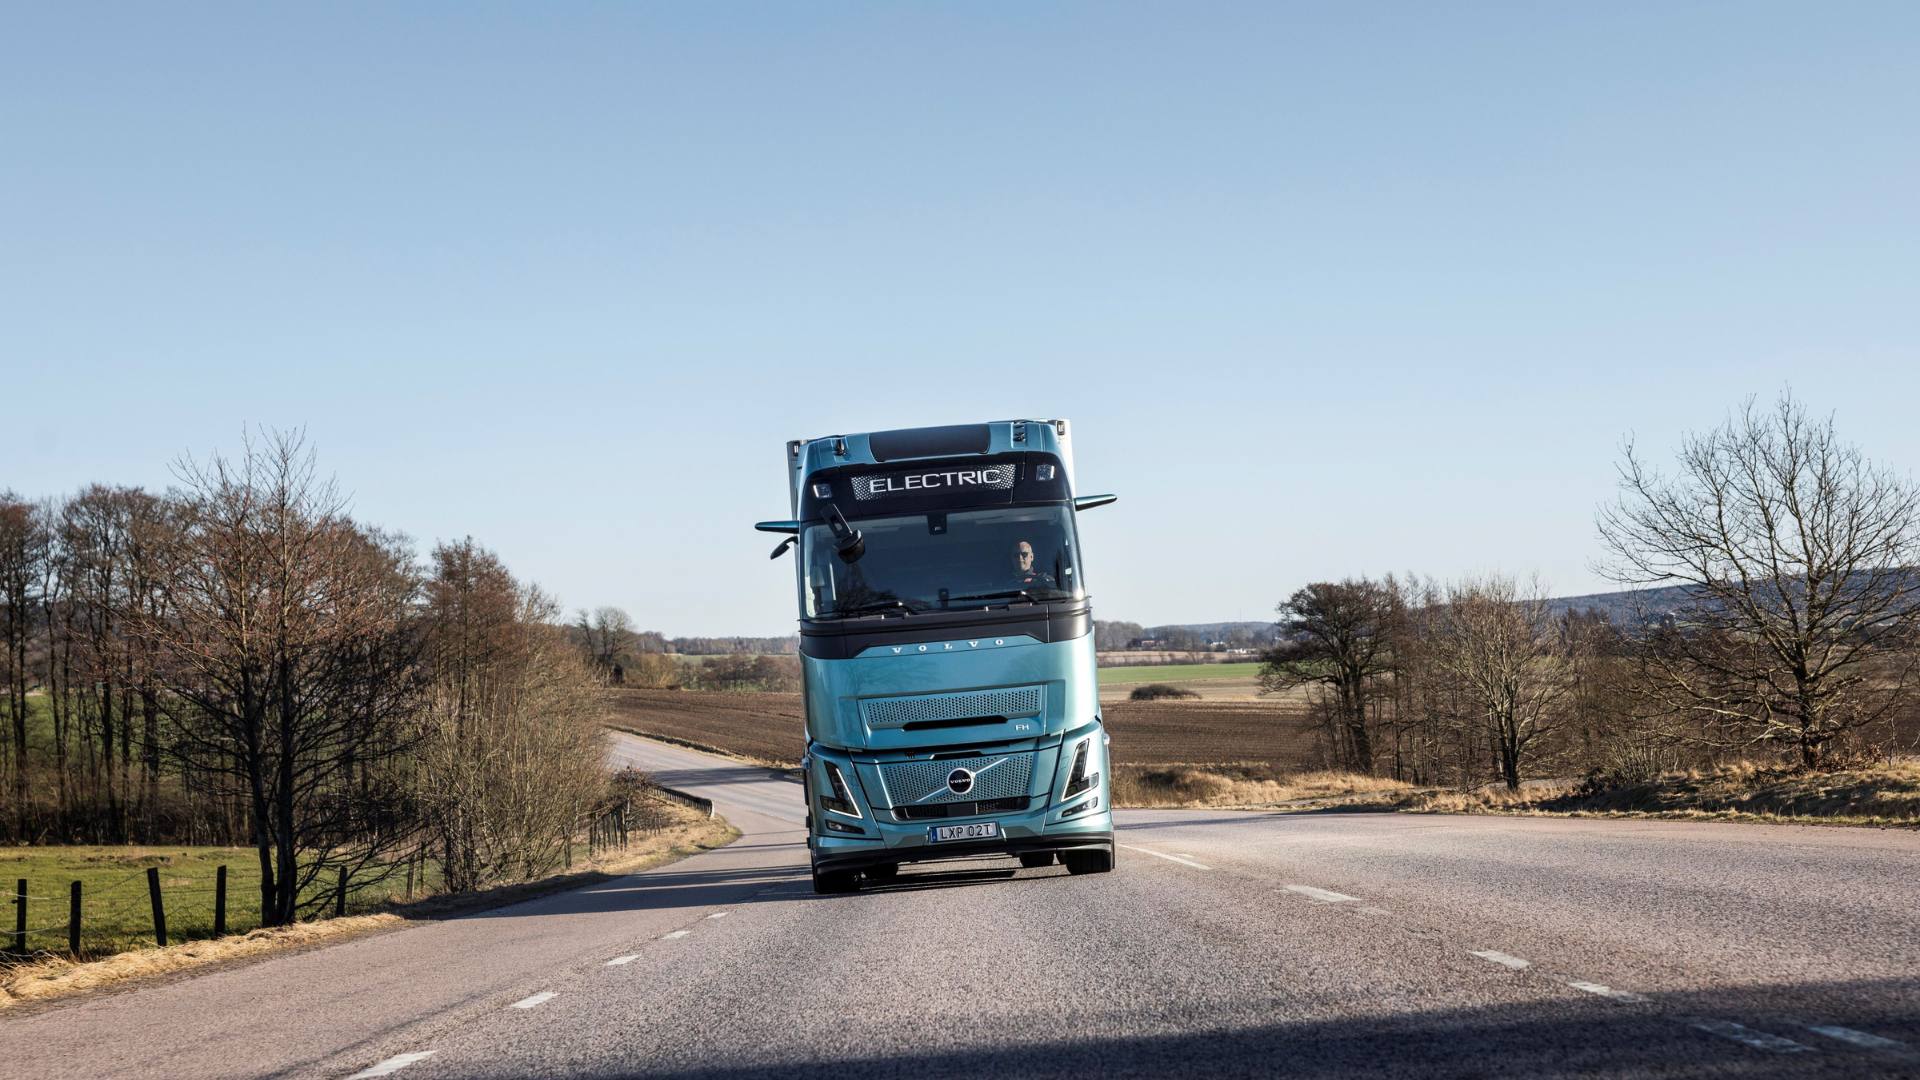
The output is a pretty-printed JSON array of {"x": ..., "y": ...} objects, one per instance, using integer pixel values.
[{"x": 1158, "y": 691}]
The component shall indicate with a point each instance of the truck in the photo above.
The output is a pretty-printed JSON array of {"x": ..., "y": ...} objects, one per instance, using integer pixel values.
[{"x": 946, "y": 651}]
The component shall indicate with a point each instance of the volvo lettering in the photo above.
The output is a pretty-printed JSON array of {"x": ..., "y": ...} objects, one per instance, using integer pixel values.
[{"x": 946, "y": 650}]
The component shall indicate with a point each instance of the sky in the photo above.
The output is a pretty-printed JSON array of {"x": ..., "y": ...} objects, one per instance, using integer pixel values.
[{"x": 1326, "y": 289}]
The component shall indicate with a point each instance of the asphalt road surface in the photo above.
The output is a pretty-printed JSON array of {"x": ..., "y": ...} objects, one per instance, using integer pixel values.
[{"x": 1323, "y": 945}]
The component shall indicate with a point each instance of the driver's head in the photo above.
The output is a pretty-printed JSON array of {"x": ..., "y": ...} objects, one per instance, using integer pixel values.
[{"x": 1023, "y": 555}]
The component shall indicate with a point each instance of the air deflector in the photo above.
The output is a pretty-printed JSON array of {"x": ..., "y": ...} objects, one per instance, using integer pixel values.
[{"x": 929, "y": 442}]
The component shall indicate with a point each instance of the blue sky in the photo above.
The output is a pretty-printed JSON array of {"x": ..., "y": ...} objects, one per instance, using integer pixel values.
[{"x": 1327, "y": 289}]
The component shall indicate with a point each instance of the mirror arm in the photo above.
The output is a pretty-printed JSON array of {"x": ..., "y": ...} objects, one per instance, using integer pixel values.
[
  {"x": 1088, "y": 502},
  {"x": 784, "y": 545}
]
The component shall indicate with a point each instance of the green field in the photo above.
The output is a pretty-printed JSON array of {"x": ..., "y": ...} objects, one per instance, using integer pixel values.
[
  {"x": 116, "y": 913},
  {"x": 1138, "y": 674}
]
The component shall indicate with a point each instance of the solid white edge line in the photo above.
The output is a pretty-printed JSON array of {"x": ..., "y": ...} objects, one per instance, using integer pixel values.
[
  {"x": 719, "y": 914},
  {"x": 1169, "y": 858},
  {"x": 1503, "y": 959},
  {"x": 1759, "y": 1040},
  {"x": 392, "y": 1065},
  {"x": 619, "y": 960},
  {"x": 1606, "y": 991},
  {"x": 675, "y": 935},
  {"x": 1857, "y": 1038},
  {"x": 1325, "y": 896},
  {"x": 540, "y": 998}
]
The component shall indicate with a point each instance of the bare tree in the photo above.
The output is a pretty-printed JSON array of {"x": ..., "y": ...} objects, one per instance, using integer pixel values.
[
  {"x": 23, "y": 552},
  {"x": 1797, "y": 560},
  {"x": 1341, "y": 636},
  {"x": 286, "y": 653},
  {"x": 609, "y": 637},
  {"x": 514, "y": 751},
  {"x": 1500, "y": 645}
]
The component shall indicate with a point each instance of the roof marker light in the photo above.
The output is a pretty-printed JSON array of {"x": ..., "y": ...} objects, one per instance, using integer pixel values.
[
  {"x": 823, "y": 491},
  {"x": 1043, "y": 472}
]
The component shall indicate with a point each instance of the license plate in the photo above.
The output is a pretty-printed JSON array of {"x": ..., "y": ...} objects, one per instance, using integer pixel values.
[{"x": 979, "y": 830}]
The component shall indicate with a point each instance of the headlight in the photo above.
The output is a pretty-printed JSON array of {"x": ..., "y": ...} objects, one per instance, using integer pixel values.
[
  {"x": 1078, "y": 779},
  {"x": 838, "y": 797}
]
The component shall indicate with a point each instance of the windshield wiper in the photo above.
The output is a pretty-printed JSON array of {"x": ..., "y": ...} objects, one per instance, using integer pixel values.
[
  {"x": 873, "y": 606},
  {"x": 1005, "y": 594}
]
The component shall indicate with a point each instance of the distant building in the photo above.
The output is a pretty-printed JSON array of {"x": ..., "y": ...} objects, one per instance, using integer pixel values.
[{"x": 1147, "y": 643}]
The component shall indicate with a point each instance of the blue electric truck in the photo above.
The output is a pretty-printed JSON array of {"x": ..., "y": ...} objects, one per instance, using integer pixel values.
[{"x": 946, "y": 651}]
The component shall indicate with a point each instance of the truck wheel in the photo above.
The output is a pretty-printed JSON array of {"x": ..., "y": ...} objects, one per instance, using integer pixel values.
[
  {"x": 835, "y": 881},
  {"x": 886, "y": 871},
  {"x": 1087, "y": 862},
  {"x": 1035, "y": 859}
]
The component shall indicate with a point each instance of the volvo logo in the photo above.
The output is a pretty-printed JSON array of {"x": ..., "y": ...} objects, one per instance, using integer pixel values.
[{"x": 959, "y": 781}]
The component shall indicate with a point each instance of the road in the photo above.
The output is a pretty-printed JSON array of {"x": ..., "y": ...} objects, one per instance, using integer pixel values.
[{"x": 1225, "y": 943}]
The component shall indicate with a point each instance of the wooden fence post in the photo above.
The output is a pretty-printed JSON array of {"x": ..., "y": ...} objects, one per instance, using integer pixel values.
[
  {"x": 409, "y": 876},
  {"x": 73, "y": 920},
  {"x": 159, "y": 911},
  {"x": 220, "y": 901},
  {"x": 20, "y": 917},
  {"x": 340, "y": 895}
]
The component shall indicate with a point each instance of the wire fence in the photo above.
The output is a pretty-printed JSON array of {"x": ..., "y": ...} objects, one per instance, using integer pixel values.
[{"x": 168, "y": 899}]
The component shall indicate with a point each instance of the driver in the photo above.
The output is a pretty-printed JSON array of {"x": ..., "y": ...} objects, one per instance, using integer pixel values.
[{"x": 1024, "y": 572}]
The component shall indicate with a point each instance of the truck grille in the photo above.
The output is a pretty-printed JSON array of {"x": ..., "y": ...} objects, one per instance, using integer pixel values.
[
  {"x": 914, "y": 783},
  {"x": 960, "y": 809},
  {"x": 966, "y": 705}
]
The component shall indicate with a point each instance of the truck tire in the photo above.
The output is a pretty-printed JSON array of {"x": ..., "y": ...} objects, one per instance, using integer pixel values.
[
  {"x": 835, "y": 881},
  {"x": 883, "y": 872},
  {"x": 1087, "y": 862},
  {"x": 1034, "y": 859}
]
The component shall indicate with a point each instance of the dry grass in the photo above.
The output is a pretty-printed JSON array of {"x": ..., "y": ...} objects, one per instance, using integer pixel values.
[
  {"x": 1880, "y": 795},
  {"x": 1245, "y": 784},
  {"x": 1884, "y": 794},
  {"x": 51, "y": 977}
]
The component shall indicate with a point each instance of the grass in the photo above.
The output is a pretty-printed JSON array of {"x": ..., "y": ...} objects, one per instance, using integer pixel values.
[
  {"x": 1131, "y": 674},
  {"x": 1880, "y": 795},
  {"x": 1245, "y": 784},
  {"x": 116, "y": 911},
  {"x": 685, "y": 831}
]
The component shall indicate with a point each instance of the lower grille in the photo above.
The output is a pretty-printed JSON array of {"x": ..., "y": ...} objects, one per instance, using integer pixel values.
[{"x": 960, "y": 809}]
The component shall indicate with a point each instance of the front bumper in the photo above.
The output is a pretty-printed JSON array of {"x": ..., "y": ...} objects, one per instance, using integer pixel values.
[{"x": 1021, "y": 833}]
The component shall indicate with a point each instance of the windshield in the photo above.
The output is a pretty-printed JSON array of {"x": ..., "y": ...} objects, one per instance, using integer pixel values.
[{"x": 949, "y": 561}]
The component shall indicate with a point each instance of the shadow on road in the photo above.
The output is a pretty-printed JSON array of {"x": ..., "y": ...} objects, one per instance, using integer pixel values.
[
  {"x": 663, "y": 888},
  {"x": 1560, "y": 1038}
]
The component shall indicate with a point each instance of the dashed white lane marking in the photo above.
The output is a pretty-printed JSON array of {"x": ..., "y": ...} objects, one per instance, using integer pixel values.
[
  {"x": 1606, "y": 991},
  {"x": 719, "y": 914},
  {"x": 1325, "y": 896},
  {"x": 392, "y": 1065},
  {"x": 538, "y": 999},
  {"x": 1759, "y": 1040},
  {"x": 619, "y": 960},
  {"x": 1503, "y": 959},
  {"x": 677, "y": 934},
  {"x": 1857, "y": 1038},
  {"x": 1183, "y": 861}
]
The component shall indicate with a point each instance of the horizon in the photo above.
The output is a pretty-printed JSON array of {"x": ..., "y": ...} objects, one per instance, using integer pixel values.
[{"x": 1323, "y": 291}]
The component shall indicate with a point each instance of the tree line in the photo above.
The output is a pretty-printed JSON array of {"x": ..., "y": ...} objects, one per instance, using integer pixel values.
[
  {"x": 1775, "y": 574},
  {"x": 239, "y": 661}
]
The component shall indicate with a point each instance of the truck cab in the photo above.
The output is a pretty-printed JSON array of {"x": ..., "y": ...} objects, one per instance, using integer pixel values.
[{"x": 946, "y": 650}]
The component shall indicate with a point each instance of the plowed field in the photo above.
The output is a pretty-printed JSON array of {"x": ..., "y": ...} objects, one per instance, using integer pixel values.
[{"x": 770, "y": 727}]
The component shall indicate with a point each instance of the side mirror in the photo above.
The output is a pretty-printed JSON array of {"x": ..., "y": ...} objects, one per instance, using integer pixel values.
[
  {"x": 848, "y": 541},
  {"x": 1088, "y": 502},
  {"x": 784, "y": 545}
]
